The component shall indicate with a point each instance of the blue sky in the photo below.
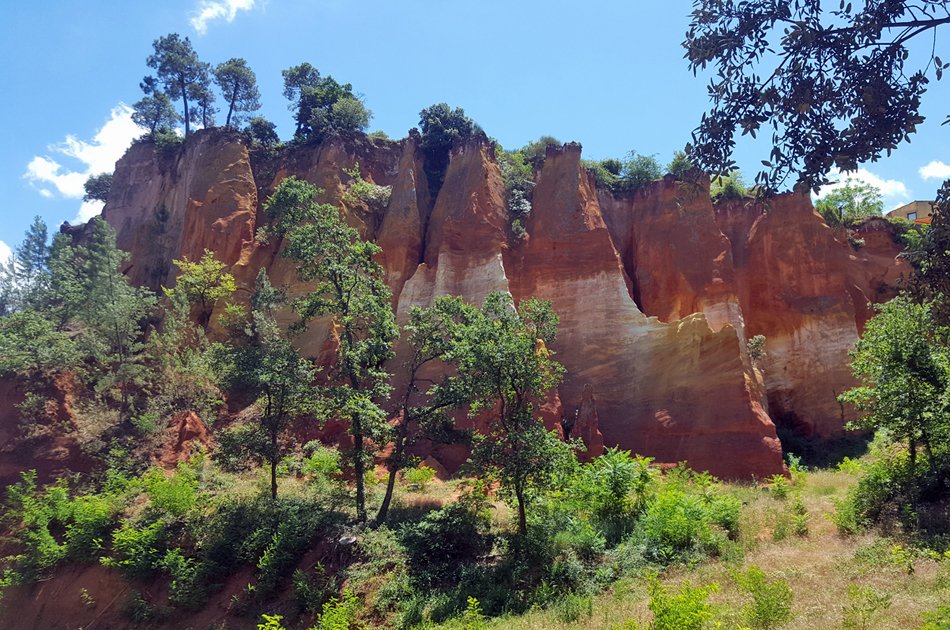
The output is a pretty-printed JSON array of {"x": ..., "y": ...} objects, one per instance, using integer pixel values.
[{"x": 608, "y": 74}]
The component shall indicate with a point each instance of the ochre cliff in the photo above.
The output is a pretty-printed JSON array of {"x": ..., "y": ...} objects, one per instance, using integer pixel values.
[{"x": 657, "y": 292}]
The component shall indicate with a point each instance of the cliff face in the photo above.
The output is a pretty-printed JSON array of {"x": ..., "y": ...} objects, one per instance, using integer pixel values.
[{"x": 657, "y": 292}]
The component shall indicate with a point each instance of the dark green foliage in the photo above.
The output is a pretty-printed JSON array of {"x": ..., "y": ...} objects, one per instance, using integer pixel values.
[
  {"x": 533, "y": 153},
  {"x": 905, "y": 373},
  {"x": 322, "y": 105},
  {"x": 182, "y": 75},
  {"x": 442, "y": 128},
  {"x": 262, "y": 132},
  {"x": 850, "y": 204},
  {"x": 156, "y": 113},
  {"x": 729, "y": 187},
  {"x": 238, "y": 85},
  {"x": 638, "y": 171},
  {"x": 97, "y": 187},
  {"x": 929, "y": 253},
  {"x": 349, "y": 287},
  {"x": 502, "y": 363},
  {"x": 265, "y": 366},
  {"x": 441, "y": 544},
  {"x": 680, "y": 166},
  {"x": 626, "y": 176},
  {"x": 831, "y": 81}
]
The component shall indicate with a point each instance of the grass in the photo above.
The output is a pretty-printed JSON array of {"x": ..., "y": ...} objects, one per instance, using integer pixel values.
[{"x": 819, "y": 567}]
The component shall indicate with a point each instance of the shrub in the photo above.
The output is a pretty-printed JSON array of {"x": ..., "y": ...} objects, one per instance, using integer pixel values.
[
  {"x": 937, "y": 620},
  {"x": 680, "y": 166},
  {"x": 638, "y": 170},
  {"x": 472, "y": 618},
  {"x": 678, "y": 523},
  {"x": 572, "y": 607},
  {"x": 603, "y": 172},
  {"x": 439, "y": 545},
  {"x": 136, "y": 550},
  {"x": 173, "y": 495},
  {"x": 418, "y": 479},
  {"x": 613, "y": 489},
  {"x": 687, "y": 608},
  {"x": 339, "y": 613},
  {"x": 186, "y": 588},
  {"x": 271, "y": 622},
  {"x": 779, "y": 486},
  {"x": 729, "y": 187},
  {"x": 771, "y": 604},
  {"x": 863, "y": 605}
]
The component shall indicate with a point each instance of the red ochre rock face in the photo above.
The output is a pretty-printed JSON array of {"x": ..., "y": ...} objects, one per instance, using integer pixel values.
[{"x": 657, "y": 292}]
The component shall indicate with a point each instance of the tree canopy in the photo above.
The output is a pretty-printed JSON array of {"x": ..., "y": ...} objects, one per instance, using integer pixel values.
[
  {"x": 852, "y": 202},
  {"x": 238, "y": 84},
  {"x": 183, "y": 75},
  {"x": 836, "y": 86}
]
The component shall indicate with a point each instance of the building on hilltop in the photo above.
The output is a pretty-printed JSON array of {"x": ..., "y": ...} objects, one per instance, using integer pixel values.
[{"x": 916, "y": 211}]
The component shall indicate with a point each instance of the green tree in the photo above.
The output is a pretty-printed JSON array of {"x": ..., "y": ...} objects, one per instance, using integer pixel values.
[
  {"x": 202, "y": 284},
  {"x": 905, "y": 377},
  {"x": 265, "y": 365},
  {"x": 728, "y": 187},
  {"x": 205, "y": 110},
  {"x": 638, "y": 170},
  {"x": 182, "y": 74},
  {"x": 32, "y": 347},
  {"x": 442, "y": 127},
  {"x": 429, "y": 335},
  {"x": 24, "y": 279},
  {"x": 504, "y": 367},
  {"x": 111, "y": 313},
  {"x": 155, "y": 112},
  {"x": 852, "y": 202},
  {"x": 680, "y": 166},
  {"x": 262, "y": 132},
  {"x": 321, "y": 105},
  {"x": 930, "y": 257},
  {"x": 238, "y": 84},
  {"x": 98, "y": 187},
  {"x": 837, "y": 86},
  {"x": 350, "y": 290},
  {"x": 535, "y": 151}
]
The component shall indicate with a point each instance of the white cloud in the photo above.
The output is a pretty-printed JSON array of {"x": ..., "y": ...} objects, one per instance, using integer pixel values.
[
  {"x": 5, "y": 252},
  {"x": 98, "y": 155},
  {"x": 87, "y": 210},
  {"x": 935, "y": 170},
  {"x": 209, "y": 10},
  {"x": 894, "y": 191}
]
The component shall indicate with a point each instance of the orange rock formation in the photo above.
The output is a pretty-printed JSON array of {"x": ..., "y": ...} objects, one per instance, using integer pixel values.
[{"x": 657, "y": 292}]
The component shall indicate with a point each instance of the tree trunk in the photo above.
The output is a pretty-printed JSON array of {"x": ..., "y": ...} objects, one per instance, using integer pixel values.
[
  {"x": 227, "y": 123},
  {"x": 273, "y": 465},
  {"x": 184, "y": 100},
  {"x": 359, "y": 467},
  {"x": 522, "y": 516},
  {"x": 394, "y": 467}
]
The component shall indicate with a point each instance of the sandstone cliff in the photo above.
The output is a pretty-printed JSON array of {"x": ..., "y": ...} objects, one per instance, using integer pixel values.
[{"x": 657, "y": 292}]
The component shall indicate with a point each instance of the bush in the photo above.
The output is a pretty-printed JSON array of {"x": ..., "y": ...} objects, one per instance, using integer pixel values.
[
  {"x": 438, "y": 546},
  {"x": 678, "y": 524},
  {"x": 771, "y": 604},
  {"x": 687, "y": 608},
  {"x": 863, "y": 605},
  {"x": 418, "y": 479},
  {"x": 680, "y": 166},
  {"x": 638, "y": 171},
  {"x": 779, "y": 486},
  {"x": 173, "y": 495},
  {"x": 572, "y": 607},
  {"x": 136, "y": 549},
  {"x": 729, "y": 187},
  {"x": 613, "y": 490},
  {"x": 937, "y": 620},
  {"x": 339, "y": 613},
  {"x": 185, "y": 589}
]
